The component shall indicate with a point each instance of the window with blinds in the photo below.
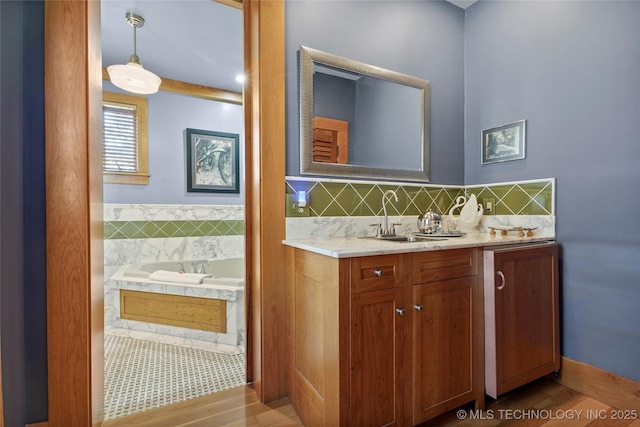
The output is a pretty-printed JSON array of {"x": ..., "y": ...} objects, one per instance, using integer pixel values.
[
  {"x": 120, "y": 138},
  {"x": 124, "y": 139}
]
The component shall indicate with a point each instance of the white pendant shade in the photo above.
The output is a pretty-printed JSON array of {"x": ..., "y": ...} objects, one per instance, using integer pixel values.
[{"x": 134, "y": 78}]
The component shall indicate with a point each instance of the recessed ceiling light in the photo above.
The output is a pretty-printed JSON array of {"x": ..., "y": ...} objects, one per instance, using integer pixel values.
[{"x": 240, "y": 79}]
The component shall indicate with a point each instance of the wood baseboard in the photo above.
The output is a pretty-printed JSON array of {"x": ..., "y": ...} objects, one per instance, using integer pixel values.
[
  {"x": 614, "y": 390},
  {"x": 41, "y": 424}
]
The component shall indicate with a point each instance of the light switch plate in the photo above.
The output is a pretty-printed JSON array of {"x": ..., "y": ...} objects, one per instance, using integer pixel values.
[
  {"x": 489, "y": 204},
  {"x": 295, "y": 210}
]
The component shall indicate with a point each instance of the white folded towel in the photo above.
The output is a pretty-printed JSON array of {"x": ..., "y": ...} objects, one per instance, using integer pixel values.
[{"x": 176, "y": 277}]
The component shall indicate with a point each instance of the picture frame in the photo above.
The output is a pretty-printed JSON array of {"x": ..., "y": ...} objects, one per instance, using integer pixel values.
[
  {"x": 212, "y": 161},
  {"x": 504, "y": 143}
]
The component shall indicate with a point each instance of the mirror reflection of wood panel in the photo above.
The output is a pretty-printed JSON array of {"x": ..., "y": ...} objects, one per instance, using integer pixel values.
[{"x": 330, "y": 140}]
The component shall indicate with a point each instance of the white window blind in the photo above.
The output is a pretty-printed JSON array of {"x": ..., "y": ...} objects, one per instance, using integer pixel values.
[{"x": 120, "y": 138}]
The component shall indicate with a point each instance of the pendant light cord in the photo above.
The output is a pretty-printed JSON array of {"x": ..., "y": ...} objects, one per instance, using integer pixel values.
[{"x": 135, "y": 41}]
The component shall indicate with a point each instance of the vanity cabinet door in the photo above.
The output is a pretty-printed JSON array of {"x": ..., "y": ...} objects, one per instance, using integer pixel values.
[
  {"x": 444, "y": 369},
  {"x": 377, "y": 325},
  {"x": 521, "y": 316}
]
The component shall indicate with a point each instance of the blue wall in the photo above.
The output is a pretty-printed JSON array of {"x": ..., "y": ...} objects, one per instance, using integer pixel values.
[
  {"x": 22, "y": 213},
  {"x": 169, "y": 115},
  {"x": 422, "y": 39},
  {"x": 571, "y": 69}
]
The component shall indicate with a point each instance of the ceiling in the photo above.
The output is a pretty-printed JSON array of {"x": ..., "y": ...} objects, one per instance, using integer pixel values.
[
  {"x": 195, "y": 41},
  {"x": 462, "y": 3}
]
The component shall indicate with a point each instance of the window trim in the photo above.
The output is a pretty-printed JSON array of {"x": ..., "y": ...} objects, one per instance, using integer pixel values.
[{"x": 140, "y": 177}]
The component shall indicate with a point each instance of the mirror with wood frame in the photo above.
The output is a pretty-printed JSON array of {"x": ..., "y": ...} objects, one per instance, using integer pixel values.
[{"x": 361, "y": 121}]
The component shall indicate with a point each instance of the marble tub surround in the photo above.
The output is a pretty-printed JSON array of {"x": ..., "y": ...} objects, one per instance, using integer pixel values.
[
  {"x": 138, "y": 234},
  {"x": 138, "y": 251},
  {"x": 232, "y": 294},
  {"x": 229, "y": 343}
]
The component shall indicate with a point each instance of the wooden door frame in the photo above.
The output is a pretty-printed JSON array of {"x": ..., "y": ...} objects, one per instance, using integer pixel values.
[
  {"x": 264, "y": 98},
  {"x": 75, "y": 302},
  {"x": 74, "y": 241}
]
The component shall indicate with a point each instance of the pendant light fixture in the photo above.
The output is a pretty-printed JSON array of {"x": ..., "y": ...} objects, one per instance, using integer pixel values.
[{"x": 133, "y": 77}]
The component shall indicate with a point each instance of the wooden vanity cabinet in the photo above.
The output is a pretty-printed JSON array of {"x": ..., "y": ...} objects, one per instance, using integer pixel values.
[
  {"x": 446, "y": 333},
  {"x": 346, "y": 337},
  {"x": 521, "y": 315},
  {"x": 386, "y": 340}
]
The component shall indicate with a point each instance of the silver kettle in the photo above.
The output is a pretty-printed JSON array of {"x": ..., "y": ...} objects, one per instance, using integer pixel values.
[{"x": 430, "y": 222}]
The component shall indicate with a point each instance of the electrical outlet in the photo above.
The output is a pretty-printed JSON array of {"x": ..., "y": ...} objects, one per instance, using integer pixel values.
[
  {"x": 489, "y": 204},
  {"x": 293, "y": 209}
]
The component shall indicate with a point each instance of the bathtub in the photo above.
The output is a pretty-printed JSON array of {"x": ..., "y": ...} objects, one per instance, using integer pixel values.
[
  {"x": 225, "y": 271},
  {"x": 218, "y": 296}
]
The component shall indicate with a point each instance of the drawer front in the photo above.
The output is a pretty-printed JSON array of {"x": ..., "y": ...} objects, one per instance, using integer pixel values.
[
  {"x": 446, "y": 264},
  {"x": 376, "y": 272}
]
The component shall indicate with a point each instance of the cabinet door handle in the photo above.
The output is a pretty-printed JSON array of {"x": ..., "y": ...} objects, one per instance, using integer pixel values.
[
  {"x": 378, "y": 272},
  {"x": 400, "y": 311},
  {"x": 418, "y": 307},
  {"x": 502, "y": 279}
]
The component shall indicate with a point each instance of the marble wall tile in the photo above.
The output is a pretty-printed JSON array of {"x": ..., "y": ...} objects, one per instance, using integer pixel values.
[
  {"x": 123, "y": 212},
  {"x": 332, "y": 227},
  {"x": 124, "y": 251}
]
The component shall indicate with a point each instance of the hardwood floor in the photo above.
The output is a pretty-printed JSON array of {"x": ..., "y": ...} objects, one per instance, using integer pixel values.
[
  {"x": 541, "y": 403},
  {"x": 235, "y": 407}
]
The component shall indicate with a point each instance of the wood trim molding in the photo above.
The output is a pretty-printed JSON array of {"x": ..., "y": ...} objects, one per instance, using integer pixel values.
[
  {"x": 141, "y": 176},
  {"x": 73, "y": 153},
  {"x": 233, "y": 3},
  {"x": 614, "y": 390},
  {"x": 190, "y": 89},
  {"x": 265, "y": 195}
]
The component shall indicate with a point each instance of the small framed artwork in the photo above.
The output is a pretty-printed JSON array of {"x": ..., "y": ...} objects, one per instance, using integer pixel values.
[
  {"x": 212, "y": 161},
  {"x": 503, "y": 143}
]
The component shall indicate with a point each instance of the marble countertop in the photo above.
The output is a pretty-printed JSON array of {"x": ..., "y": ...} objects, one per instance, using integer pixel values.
[{"x": 349, "y": 247}]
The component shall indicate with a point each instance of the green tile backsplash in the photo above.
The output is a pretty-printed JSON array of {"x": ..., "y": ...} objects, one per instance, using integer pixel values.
[
  {"x": 160, "y": 229},
  {"x": 334, "y": 198}
]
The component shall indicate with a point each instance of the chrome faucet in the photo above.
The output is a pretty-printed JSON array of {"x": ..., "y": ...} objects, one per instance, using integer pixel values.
[
  {"x": 386, "y": 231},
  {"x": 198, "y": 266}
]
